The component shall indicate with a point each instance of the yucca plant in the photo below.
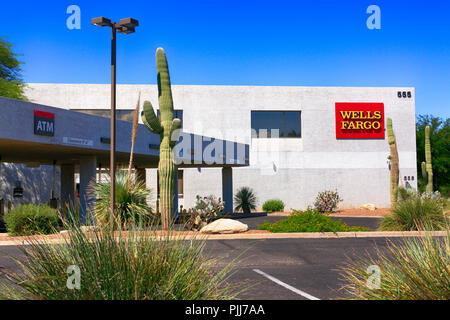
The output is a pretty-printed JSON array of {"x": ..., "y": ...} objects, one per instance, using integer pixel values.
[
  {"x": 132, "y": 265},
  {"x": 245, "y": 200},
  {"x": 415, "y": 269},
  {"x": 407, "y": 214},
  {"x": 131, "y": 201}
]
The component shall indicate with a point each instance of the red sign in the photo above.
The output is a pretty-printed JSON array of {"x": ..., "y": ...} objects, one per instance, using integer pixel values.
[
  {"x": 359, "y": 120},
  {"x": 44, "y": 123},
  {"x": 44, "y": 114}
]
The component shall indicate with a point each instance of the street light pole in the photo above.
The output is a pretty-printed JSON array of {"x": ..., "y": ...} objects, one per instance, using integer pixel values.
[
  {"x": 125, "y": 26},
  {"x": 112, "y": 155}
]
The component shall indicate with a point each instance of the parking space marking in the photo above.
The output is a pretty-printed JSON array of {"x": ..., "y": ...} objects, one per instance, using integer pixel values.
[{"x": 285, "y": 285}]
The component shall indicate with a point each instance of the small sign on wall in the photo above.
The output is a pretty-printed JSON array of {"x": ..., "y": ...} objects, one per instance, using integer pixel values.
[
  {"x": 359, "y": 120},
  {"x": 44, "y": 123}
]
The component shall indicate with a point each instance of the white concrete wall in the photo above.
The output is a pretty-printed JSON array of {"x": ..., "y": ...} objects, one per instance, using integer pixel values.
[
  {"x": 37, "y": 183},
  {"x": 302, "y": 167}
]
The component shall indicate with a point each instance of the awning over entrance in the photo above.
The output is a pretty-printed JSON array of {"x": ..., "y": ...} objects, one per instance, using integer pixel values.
[
  {"x": 33, "y": 133},
  {"x": 36, "y": 135}
]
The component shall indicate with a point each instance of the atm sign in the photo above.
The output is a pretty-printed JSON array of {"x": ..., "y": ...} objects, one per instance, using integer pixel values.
[
  {"x": 359, "y": 120},
  {"x": 44, "y": 123}
]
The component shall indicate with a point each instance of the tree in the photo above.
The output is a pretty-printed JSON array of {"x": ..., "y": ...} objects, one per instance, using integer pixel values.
[
  {"x": 11, "y": 84},
  {"x": 440, "y": 151}
]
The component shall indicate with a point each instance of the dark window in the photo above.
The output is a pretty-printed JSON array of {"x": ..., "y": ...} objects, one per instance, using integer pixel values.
[
  {"x": 176, "y": 114},
  {"x": 287, "y": 123},
  {"x": 121, "y": 114}
]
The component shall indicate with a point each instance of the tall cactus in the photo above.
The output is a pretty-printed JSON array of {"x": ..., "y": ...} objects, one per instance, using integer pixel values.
[
  {"x": 167, "y": 129},
  {"x": 427, "y": 169},
  {"x": 393, "y": 157}
]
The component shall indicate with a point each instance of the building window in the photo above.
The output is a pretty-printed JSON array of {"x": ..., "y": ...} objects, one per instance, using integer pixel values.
[
  {"x": 176, "y": 114},
  {"x": 122, "y": 114},
  {"x": 180, "y": 184},
  {"x": 288, "y": 124}
]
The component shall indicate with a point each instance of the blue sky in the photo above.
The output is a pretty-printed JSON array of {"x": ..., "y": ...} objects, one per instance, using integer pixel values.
[{"x": 215, "y": 42}]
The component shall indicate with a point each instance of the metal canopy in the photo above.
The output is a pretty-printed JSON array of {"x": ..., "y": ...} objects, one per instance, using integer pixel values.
[{"x": 77, "y": 134}]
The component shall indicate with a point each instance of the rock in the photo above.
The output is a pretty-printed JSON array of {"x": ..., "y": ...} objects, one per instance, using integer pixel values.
[
  {"x": 225, "y": 226},
  {"x": 368, "y": 206}
]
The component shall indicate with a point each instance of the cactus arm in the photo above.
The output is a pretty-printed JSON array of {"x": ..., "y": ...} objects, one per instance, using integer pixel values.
[
  {"x": 428, "y": 165},
  {"x": 176, "y": 126},
  {"x": 149, "y": 118},
  {"x": 424, "y": 170},
  {"x": 395, "y": 171},
  {"x": 390, "y": 132}
]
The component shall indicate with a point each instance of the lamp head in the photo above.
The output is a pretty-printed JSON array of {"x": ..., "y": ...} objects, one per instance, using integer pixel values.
[{"x": 101, "y": 22}]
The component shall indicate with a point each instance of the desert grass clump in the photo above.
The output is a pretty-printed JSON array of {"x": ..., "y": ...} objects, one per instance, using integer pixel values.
[
  {"x": 113, "y": 265},
  {"x": 417, "y": 268},
  {"x": 131, "y": 202},
  {"x": 415, "y": 210}
]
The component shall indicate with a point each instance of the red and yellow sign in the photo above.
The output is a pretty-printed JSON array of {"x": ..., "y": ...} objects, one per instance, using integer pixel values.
[{"x": 359, "y": 120}]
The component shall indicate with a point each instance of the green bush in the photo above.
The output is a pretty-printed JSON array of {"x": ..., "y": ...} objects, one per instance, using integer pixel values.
[
  {"x": 29, "y": 219},
  {"x": 414, "y": 211},
  {"x": 273, "y": 205},
  {"x": 245, "y": 200},
  {"x": 414, "y": 269},
  {"x": 131, "y": 202},
  {"x": 131, "y": 265},
  {"x": 308, "y": 221}
]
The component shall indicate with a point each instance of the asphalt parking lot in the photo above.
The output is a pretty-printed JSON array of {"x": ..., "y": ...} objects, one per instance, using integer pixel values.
[
  {"x": 288, "y": 269},
  {"x": 277, "y": 269}
]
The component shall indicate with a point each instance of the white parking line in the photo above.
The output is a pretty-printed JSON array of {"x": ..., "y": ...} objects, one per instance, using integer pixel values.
[{"x": 285, "y": 285}]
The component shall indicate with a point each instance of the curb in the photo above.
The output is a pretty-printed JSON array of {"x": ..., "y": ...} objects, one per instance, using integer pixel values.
[{"x": 262, "y": 236}]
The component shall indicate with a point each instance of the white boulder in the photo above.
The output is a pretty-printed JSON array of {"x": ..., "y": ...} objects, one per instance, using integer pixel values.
[
  {"x": 224, "y": 226},
  {"x": 368, "y": 206}
]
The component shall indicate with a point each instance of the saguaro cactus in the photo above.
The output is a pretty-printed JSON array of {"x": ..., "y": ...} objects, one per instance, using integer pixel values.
[
  {"x": 427, "y": 169},
  {"x": 393, "y": 157},
  {"x": 167, "y": 128}
]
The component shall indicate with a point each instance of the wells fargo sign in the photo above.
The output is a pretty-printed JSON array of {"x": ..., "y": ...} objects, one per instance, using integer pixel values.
[{"x": 359, "y": 120}]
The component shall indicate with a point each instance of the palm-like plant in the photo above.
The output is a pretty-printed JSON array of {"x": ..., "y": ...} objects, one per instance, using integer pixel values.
[
  {"x": 245, "y": 200},
  {"x": 131, "y": 201}
]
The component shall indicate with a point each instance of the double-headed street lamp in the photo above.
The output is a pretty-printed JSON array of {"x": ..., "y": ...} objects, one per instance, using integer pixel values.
[{"x": 125, "y": 26}]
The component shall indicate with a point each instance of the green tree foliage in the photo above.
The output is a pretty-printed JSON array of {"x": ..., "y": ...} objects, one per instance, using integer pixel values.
[
  {"x": 440, "y": 151},
  {"x": 11, "y": 84}
]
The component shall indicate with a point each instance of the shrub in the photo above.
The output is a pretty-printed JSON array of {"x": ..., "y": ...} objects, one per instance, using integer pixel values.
[
  {"x": 327, "y": 201},
  {"x": 245, "y": 200},
  {"x": 308, "y": 221},
  {"x": 132, "y": 265},
  {"x": 29, "y": 219},
  {"x": 414, "y": 269},
  {"x": 417, "y": 210},
  {"x": 273, "y": 205},
  {"x": 205, "y": 211},
  {"x": 131, "y": 202}
]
